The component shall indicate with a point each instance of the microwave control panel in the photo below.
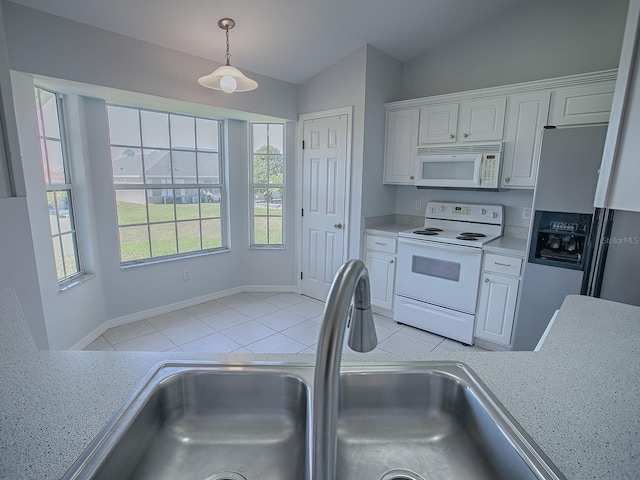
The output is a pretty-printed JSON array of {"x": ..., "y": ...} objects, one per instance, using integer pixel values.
[{"x": 489, "y": 170}]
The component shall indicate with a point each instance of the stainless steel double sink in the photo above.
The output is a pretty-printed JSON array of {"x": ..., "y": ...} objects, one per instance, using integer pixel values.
[{"x": 413, "y": 421}]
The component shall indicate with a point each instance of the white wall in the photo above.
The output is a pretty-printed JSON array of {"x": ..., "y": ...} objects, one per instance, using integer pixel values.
[{"x": 529, "y": 41}]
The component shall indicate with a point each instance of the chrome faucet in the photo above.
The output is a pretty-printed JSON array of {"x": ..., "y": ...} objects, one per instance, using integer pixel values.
[{"x": 351, "y": 281}]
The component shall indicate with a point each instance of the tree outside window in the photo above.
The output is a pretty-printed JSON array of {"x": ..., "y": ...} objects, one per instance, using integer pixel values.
[{"x": 267, "y": 178}]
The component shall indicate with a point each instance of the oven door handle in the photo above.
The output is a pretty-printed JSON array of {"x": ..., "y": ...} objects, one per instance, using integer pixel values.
[{"x": 441, "y": 246}]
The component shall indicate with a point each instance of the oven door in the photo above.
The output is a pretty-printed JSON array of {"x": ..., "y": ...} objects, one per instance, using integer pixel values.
[{"x": 440, "y": 274}]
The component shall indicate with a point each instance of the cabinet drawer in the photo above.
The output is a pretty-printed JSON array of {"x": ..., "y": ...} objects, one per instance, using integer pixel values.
[
  {"x": 501, "y": 264},
  {"x": 381, "y": 244}
]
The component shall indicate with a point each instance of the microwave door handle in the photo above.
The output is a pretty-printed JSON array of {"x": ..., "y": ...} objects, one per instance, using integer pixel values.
[{"x": 476, "y": 171}]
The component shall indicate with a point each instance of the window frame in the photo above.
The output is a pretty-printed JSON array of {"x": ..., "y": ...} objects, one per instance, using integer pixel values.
[
  {"x": 55, "y": 188},
  {"x": 254, "y": 185},
  {"x": 174, "y": 187}
]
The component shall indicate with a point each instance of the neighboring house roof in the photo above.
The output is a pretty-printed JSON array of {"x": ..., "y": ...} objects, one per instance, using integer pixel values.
[{"x": 158, "y": 164}]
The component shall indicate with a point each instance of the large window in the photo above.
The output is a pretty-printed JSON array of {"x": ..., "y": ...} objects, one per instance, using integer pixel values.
[
  {"x": 55, "y": 165},
  {"x": 267, "y": 184},
  {"x": 167, "y": 176}
]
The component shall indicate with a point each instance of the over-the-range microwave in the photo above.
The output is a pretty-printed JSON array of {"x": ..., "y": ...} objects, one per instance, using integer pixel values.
[{"x": 477, "y": 166}]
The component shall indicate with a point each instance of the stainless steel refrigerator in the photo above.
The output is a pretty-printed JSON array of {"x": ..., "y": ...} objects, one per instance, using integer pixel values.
[{"x": 561, "y": 238}]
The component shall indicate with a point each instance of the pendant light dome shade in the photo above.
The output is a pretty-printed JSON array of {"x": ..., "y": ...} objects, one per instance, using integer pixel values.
[{"x": 227, "y": 78}]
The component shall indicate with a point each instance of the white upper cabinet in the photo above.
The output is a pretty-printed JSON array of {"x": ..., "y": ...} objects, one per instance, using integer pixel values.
[
  {"x": 513, "y": 114},
  {"x": 526, "y": 118},
  {"x": 482, "y": 120},
  {"x": 582, "y": 105},
  {"x": 468, "y": 121},
  {"x": 620, "y": 170},
  {"x": 438, "y": 124},
  {"x": 400, "y": 146}
]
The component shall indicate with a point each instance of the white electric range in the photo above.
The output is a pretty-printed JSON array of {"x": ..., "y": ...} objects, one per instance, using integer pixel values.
[{"x": 439, "y": 266}]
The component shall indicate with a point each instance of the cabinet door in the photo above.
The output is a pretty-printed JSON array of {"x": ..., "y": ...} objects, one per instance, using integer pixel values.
[
  {"x": 400, "y": 147},
  {"x": 526, "y": 117},
  {"x": 496, "y": 308},
  {"x": 581, "y": 105},
  {"x": 482, "y": 120},
  {"x": 382, "y": 272},
  {"x": 438, "y": 124}
]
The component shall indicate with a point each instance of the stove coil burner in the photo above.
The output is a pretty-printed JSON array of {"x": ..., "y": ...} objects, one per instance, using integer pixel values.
[
  {"x": 467, "y": 237},
  {"x": 428, "y": 231},
  {"x": 472, "y": 234}
]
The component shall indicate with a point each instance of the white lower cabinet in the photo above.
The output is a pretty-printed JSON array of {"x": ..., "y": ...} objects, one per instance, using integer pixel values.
[
  {"x": 380, "y": 259},
  {"x": 497, "y": 301}
]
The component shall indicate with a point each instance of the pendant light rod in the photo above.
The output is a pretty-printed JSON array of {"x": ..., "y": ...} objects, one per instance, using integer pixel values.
[
  {"x": 228, "y": 78},
  {"x": 227, "y": 24}
]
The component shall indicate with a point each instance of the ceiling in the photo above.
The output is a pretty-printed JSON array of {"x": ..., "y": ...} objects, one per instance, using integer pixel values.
[{"x": 290, "y": 40}]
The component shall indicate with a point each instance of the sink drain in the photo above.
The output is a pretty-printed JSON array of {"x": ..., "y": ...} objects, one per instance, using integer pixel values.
[
  {"x": 401, "y": 474},
  {"x": 226, "y": 476}
]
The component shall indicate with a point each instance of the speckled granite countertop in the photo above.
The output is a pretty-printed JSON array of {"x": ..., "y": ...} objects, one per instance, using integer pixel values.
[
  {"x": 578, "y": 398},
  {"x": 507, "y": 246}
]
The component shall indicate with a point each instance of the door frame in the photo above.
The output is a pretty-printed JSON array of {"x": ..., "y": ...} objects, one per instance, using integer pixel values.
[{"x": 334, "y": 112}]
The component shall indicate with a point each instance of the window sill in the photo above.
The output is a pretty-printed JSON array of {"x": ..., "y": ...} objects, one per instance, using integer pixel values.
[
  {"x": 72, "y": 282},
  {"x": 154, "y": 261},
  {"x": 267, "y": 247}
]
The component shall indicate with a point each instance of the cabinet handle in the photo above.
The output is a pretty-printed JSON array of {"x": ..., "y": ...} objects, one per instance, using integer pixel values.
[
  {"x": 503, "y": 264},
  {"x": 380, "y": 243},
  {"x": 486, "y": 280},
  {"x": 411, "y": 177},
  {"x": 452, "y": 136},
  {"x": 507, "y": 179},
  {"x": 465, "y": 135},
  {"x": 390, "y": 261}
]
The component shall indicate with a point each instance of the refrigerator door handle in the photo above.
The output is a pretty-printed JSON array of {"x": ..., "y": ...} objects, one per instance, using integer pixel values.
[{"x": 597, "y": 251}]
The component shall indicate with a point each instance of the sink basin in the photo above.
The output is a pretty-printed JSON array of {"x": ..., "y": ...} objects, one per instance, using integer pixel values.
[
  {"x": 441, "y": 423},
  {"x": 206, "y": 423},
  {"x": 406, "y": 421}
]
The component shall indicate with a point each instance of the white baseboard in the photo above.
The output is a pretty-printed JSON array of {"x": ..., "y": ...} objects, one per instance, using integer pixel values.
[{"x": 152, "y": 312}]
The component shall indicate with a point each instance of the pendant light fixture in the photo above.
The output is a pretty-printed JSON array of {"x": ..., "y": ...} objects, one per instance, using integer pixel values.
[{"x": 227, "y": 78}]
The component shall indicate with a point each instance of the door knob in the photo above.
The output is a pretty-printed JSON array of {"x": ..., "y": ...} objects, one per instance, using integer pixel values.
[{"x": 337, "y": 226}]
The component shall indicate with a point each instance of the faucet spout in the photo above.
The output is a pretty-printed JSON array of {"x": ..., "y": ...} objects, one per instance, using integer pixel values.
[{"x": 351, "y": 281}]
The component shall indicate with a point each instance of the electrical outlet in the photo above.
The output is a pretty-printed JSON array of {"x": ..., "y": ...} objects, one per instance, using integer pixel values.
[
  {"x": 418, "y": 205},
  {"x": 526, "y": 213},
  {"x": 186, "y": 275}
]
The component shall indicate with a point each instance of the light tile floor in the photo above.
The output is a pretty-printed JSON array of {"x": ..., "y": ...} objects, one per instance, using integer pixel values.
[{"x": 257, "y": 323}]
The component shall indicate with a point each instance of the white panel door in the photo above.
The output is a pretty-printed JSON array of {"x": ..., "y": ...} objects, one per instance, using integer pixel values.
[
  {"x": 323, "y": 202},
  {"x": 496, "y": 308},
  {"x": 527, "y": 116},
  {"x": 482, "y": 120},
  {"x": 438, "y": 124},
  {"x": 401, "y": 144},
  {"x": 382, "y": 269}
]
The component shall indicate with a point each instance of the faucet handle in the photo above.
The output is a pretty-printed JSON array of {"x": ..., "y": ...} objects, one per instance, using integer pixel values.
[{"x": 362, "y": 334}]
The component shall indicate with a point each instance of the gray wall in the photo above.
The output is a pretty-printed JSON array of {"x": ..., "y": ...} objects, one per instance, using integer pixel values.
[
  {"x": 17, "y": 259},
  {"x": 98, "y": 65},
  {"x": 44, "y": 44},
  {"x": 383, "y": 80},
  {"x": 365, "y": 79},
  {"x": 530, "y": 41},
  {"x": 341, "y": 85}
]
